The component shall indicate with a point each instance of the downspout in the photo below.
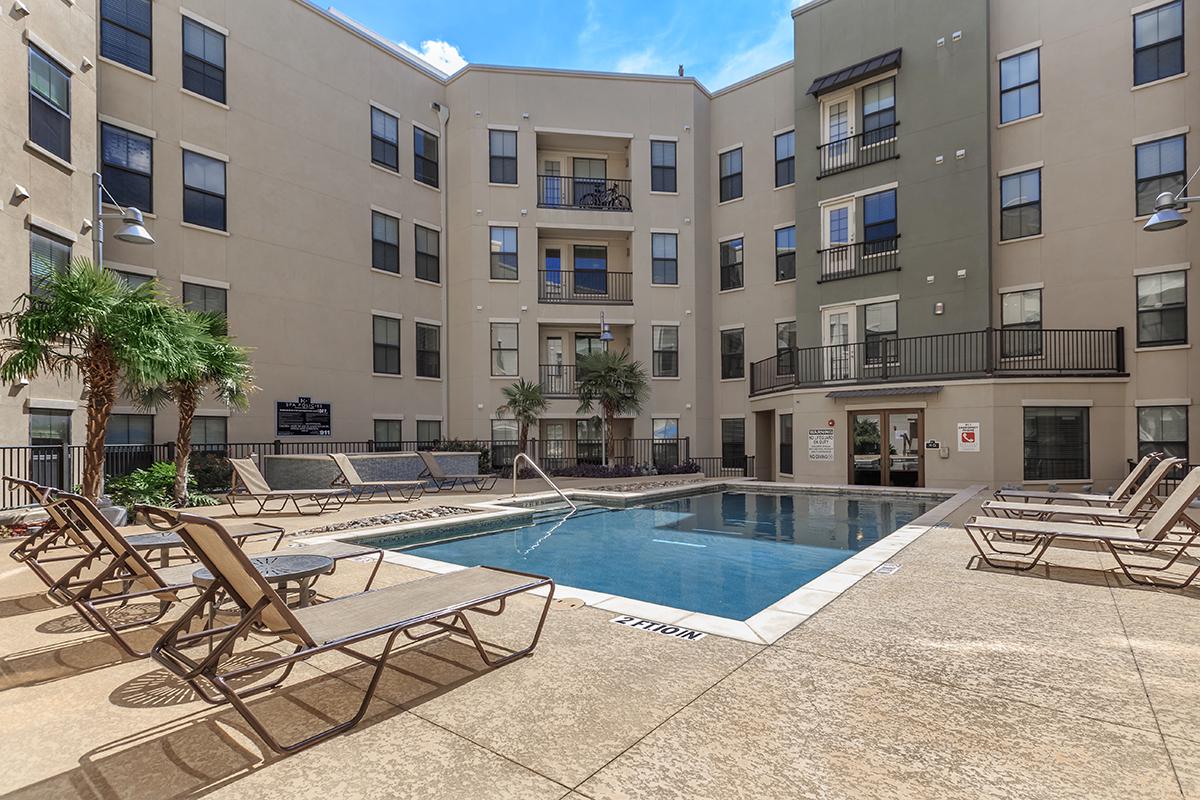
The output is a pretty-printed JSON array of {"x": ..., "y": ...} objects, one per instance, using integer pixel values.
[{"x": 443, "y": 114}]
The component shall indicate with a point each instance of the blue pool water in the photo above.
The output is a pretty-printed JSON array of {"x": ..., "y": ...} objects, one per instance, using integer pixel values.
[{"x": 730, "y": 554}]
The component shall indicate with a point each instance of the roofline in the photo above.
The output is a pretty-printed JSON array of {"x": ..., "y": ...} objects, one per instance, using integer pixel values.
[
  {"x": 809, "y": 6},
  {"x": 356, "y": 28},
  {"x": 766, "y": 73},
  {"x": 582, "y": 73}
]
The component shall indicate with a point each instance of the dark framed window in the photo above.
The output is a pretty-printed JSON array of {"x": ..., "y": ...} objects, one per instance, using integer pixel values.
[
  {"x": 129, "y": 429},
  {"x": 733, "y": 353},
  {"x": 785, "y": 347},
  {"x": 879, "y": 112},
  {"x": 879, "y": 223},
  {"x": 429, "y": 265},
  {"x": 731, "y": 174},
  {"x": 1020, "y": 86},
  {"x": 504, "y": 349},
  {"x": 505, "y": 444},
  {"x": 387, "y": 432},
  {"x": 666, "y": 440},
  {"x": 733, "y": 443},
  {"x": 47, "y": 254},
  {"x": 1161, "y": 167},
  {"x": 429, "y": 353},
  {"x": 203, "y": 190},
  {"x": 127, "y": 166},
  {"x": 662, "y": 166},
  {"x": 211, "y": 299},
  {"x": 785, "y": 444},
  {"x": 385, "y": 332},
  {"x": 785, "y": 158},
  {"x": 425, "y": 156},
  {"x": 1057, "y": 444},
  {"x": 1163, "y": 429},
  {"x": 590, "y": 262},
  {"x": 429, "y": 432},
  {"x": 385, "y": 139},
  {"x": 125, "y": 32},
  {"x": 880, "y": 327},
  {"x": 203, "y": 60},
  {"x": 1162, "y": 309},
  {"x": 504, "y": 253},
  {"x": 1021, "y": 323},
  {"x": 1158, "y": 43},
  {"x": 210, "y": 430},
  {"x": 385, "y": 242},
  {"x": 785, "y": 253},
  {"x": 664, "y": 252},
  {"x": 731, "y": 264},
  {"x": 502, "y": 156},
  {"x": 665, "y": 347},
  {"x": 49, "y": 104},
  {"x": 132, "y": 279},
  {"x": 1021, "y": 205}
]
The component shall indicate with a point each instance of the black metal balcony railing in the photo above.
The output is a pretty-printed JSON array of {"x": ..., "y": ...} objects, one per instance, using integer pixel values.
[
  {"x": 593, "y": 194},
  {"x": 558, "y": 380},
  {"x": 860, "y": 258},
  {"x": 969, "y": 354},
  {"x": 584, "y": 286},
  {"x": 859, "y": 150}
]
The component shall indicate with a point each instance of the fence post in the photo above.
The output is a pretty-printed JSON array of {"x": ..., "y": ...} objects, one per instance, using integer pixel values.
[
  {"x": 687, "y": 449},
  {"x": 989, "y": 365},
  {"x": 275, "y": 446},
  {"x": 64, "y": 467},
  {"x": 1121, "y": 348}
]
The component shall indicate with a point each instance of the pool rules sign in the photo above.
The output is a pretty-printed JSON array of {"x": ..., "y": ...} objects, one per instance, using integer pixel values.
[{"x": 968, "y": 437}]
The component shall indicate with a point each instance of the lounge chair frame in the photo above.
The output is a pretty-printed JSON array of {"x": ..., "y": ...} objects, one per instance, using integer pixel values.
[
  {"x": 472, "y": 484},
  {"x": 59, "y": 539},
  {"x": 1118, "y": 497},
  {"x": 323, "y": 499},
  {"x": 367, "y": 490}
]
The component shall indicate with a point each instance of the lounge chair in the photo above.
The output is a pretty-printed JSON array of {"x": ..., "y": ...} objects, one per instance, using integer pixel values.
[
  {"x": 440, "y": 480},
  {"x": 419, "y": 609},
  {"x": 58, "y": 540},
  {"x": 366, "y": 490},
  {"x": 1117, "y": 498},
  {"x": 255, "y": 487},
  {"x": 1028, "y": 540}
]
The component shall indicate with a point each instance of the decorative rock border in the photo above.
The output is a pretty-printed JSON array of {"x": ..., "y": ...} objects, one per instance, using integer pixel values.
[{"x": 416, "y": 515}]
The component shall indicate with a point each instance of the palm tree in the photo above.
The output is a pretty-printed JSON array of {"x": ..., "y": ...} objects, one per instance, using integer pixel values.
[
  {"x": 86, "y": 322},
  {"x": 526, "y": 402},
  {"x": 614, "y": 383},
  {"x": 217, "y": 365}
]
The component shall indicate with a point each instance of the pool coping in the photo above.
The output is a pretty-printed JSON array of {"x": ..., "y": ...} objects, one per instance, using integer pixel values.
[{"x": 765, "y": 627}]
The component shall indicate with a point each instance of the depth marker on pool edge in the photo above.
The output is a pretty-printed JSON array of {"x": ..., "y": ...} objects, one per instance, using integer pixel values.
[{"x": 658, "y": 627}]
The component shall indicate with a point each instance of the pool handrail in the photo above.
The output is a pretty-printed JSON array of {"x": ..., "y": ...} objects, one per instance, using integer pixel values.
[{"x": 516, "y": 463}]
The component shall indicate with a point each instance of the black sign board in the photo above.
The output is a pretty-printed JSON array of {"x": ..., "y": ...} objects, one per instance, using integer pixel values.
[{"x": 302, "y": 417}]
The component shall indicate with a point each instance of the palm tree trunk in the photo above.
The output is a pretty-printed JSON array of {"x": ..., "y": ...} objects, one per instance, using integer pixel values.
[
  {"x": 100, "y": 373},
  {"x": 183, "y": 446},
  {"x": 523, "y": 430},
  {"x": 609, "y": 439}
]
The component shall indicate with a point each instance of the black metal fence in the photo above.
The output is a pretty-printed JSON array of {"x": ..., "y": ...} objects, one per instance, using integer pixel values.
[
  {"x": 860, "y": 258},
  {"x": 1171, "y": 480},
  {"x": 859, "y": 150},
  {"x": 584, "y": 286},
  {"x": 593, "y": 194},
  {"x": 989, "y": 352},
  {"x": 558, "y": 380}
]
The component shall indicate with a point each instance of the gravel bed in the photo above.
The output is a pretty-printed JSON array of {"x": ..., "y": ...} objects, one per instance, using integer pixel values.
[{"x": 416, "y": 515}]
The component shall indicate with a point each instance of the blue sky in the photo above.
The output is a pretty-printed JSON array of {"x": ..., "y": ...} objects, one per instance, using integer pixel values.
[{"x": 718, "y": 41}]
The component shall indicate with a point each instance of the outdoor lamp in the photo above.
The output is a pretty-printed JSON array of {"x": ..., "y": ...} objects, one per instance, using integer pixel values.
[
  {"x": 1167, "y": 207},
  {"x": 605, "y": 332},
  {"x": 132, "y": 229}
]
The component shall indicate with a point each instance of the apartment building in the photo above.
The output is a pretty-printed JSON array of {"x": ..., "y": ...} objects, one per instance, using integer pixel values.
[{"x": 925, "y": 230}]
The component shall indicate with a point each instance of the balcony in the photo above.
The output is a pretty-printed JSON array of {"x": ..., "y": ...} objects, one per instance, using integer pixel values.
[
  {"x": 860, "y": 258},
  {"x": 970, "y": 354},
  {"x": 588, "y": 194},
  {"x": 589, "y": 287},
  {"x": 558, "y": 380},
  {"x": 859, "y": 150}
]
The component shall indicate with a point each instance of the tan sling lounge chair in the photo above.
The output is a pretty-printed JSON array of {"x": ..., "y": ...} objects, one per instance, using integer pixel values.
[
  {"x": 419, "y": 610},
  {"x": 366, "y": 490},
  {"x": 254, "y": 487},
  {"x": 436, "y": 475},
  {"x": 1118, "y": 497}
]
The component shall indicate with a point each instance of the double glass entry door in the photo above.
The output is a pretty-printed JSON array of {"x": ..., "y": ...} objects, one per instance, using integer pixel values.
[{"x": 886, "y": 448}]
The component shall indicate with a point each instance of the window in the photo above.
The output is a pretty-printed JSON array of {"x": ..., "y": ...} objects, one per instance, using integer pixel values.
[
  {"x": 504, "y": 253},
  {"x": 49, "y": 104},
  {"x": 1163, "y": 429},
  {"x": 210, "y": 430},
  {"x": 591, "y": 268},
  {"x": 880, "y": 327},
  {"x": 49, "y": 426},
  {"x": 385, "y": 242},
  {"x": 785, "y": 158},
  {"x": 389, "y": 433},
  {"x": 1057, "y": 444},
  {"x": 385, "y": 138},
  {"x": 505, "y": 441},
  {"x": 429, "y": 431},
  {"x": 203, "y": 60},
  {"x": 1162, "y": 309},
  {"x": 785, "y": 253},
  {"x": 129, "y": 429},
  {"x": 502, "y": 152},
  {"x": 126, "y": 160},
  {"x": 47, "y": 254},
  {"x": 203, "y": 191},
  {"x": 879, "y": 112},
  {"x": 879, "y": 223},
  {"x": 504, "y": 348},
  {"x": 785, "y": 444},
  {"x": 733, "y": 348},
  {"x": 1020, "y": 87},
  {"x": 1021, "y": 205},
  {"x": 428, "y": 254},
  {"x": 131, "y": 279},
  {"x": 785, "y": 346},
  {"x": 425, "y": 156},
  {"x": 1158, "y": 43},
  {"x": 662, "y": 166},
  {"x": 731, "y": 174},
  {"x": 429, "y": 353},
  {"x": 125, "y": 32},
  {"x": 666, "y": 445},
  {"x": 386, "y": 339},
  {"x": 1160, "y": 168},
  {"x": 1021, "y": 323},
  {"x": 664, "y": 251},
  {"x": 731, "y": 264},
  {"x": 665, "y": 351},
  {"x": 733, "y": 443},
  {"x": 212, "y": 299}
]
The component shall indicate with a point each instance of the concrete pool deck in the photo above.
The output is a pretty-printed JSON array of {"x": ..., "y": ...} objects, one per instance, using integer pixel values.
[{"x": 939, "y": 680}]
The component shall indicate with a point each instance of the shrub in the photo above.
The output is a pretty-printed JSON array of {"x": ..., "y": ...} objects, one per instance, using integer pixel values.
[
  {"x": 211, "y": 471},
  {"x": 152, "y": 486},
  {"x": 459, "y": 446}
]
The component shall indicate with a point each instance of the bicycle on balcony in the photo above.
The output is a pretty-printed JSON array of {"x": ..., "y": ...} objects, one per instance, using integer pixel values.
[{"x": 605, "y": 196}]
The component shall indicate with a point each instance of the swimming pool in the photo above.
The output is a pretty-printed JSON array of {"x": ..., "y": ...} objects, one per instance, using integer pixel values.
[{"x": 729, "y": 554}]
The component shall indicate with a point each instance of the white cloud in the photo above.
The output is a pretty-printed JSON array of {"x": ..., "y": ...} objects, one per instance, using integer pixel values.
[
  {"x": 777, "y": 48},
  {"x": 644, "y": 62},
  {"x": 440, "y": 55}
]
